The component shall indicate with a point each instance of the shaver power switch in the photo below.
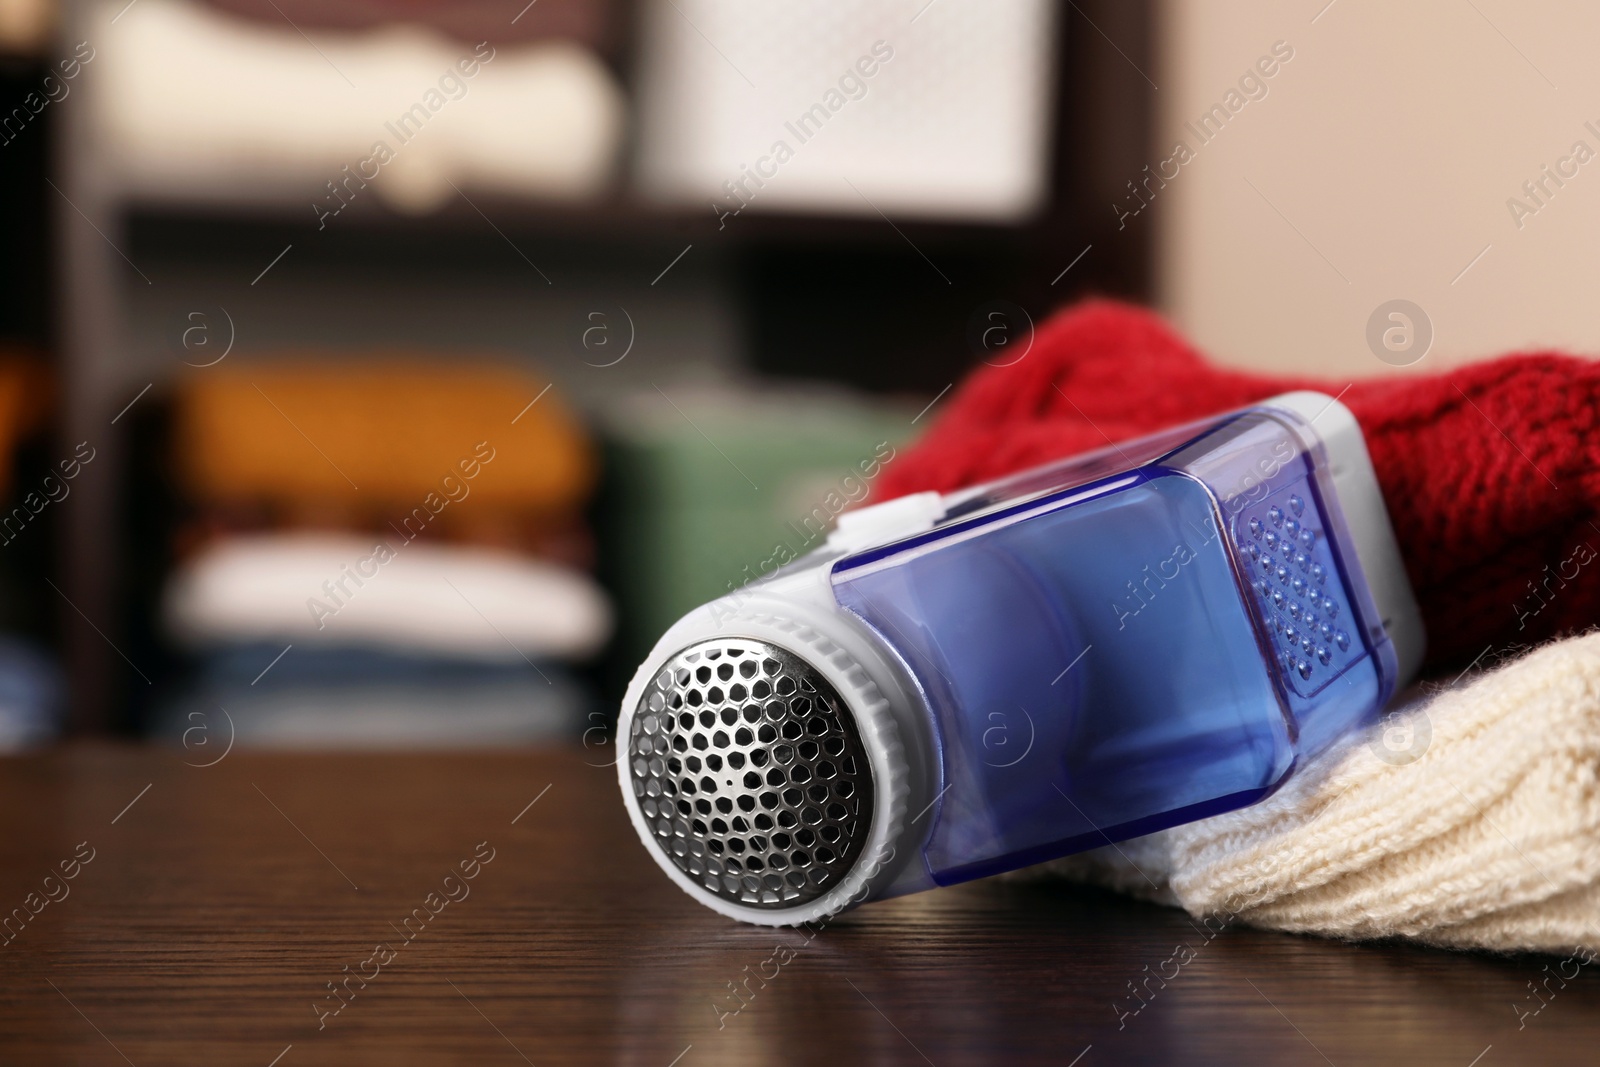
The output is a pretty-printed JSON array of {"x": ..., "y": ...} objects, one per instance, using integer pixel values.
[{"x": 888, "y": 521}]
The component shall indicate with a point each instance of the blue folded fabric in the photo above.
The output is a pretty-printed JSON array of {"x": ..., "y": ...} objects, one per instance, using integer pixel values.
[
  {"x": 367, "y": 698},
  {"x": 31, "y": 695}
]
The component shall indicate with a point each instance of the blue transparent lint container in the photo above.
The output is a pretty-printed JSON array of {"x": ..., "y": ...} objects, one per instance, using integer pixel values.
[{"x": 1085, "y": 652}]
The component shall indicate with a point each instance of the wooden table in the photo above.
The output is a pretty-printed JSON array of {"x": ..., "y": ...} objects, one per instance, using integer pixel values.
[{"x": 220, "y": 902}]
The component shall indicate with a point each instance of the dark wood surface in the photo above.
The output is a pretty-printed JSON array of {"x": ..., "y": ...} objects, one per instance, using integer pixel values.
[{"x": 217, "y": 907}]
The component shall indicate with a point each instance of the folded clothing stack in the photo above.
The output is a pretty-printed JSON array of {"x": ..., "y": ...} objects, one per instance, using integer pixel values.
[
  {"x": 203, "y": 104},
  {"x": 691, "y": 528},
  {"x": 32, "y": 688},
  {"x": 31, "y": 695},
  {"x": 1470, "y": 821},
  {"x": 412, "y": 577}
]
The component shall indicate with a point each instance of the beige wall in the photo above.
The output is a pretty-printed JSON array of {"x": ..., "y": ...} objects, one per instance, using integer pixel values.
[{"x": 1392, "y": 141}]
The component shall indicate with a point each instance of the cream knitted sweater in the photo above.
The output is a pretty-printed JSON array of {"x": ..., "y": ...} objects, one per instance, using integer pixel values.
[{"x": 1470, "y": 819}]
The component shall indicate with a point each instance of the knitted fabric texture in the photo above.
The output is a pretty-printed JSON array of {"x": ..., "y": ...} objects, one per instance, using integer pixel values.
[
  {"x": 1471, "y": 820},
  {"x": 1491, "y": 471}
]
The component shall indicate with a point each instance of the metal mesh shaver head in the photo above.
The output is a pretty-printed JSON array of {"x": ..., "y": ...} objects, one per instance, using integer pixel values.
[{"x": 750, "y": 772}]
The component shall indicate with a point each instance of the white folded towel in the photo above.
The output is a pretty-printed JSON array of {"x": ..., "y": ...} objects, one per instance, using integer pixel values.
[
  {"x": 339, "y": 589},
  {"x": 195, "y": 102}
]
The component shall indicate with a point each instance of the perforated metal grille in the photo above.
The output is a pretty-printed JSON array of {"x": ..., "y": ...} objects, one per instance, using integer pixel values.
[{"x": 750, "y": 771}]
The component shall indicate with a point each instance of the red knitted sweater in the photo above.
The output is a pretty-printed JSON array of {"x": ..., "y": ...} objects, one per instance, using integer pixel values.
[{"x": 1491, "y": 471}]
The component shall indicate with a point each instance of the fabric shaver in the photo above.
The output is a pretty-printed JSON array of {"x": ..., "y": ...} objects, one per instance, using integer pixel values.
[{"x": 956, "y": 685}]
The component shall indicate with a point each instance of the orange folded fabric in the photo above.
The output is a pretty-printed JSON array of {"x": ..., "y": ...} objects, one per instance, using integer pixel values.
[
  {"x": 378, "y": 435},
  {"x": 27, "y": 393}
]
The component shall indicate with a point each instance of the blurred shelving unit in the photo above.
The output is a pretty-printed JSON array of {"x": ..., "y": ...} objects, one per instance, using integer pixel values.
[
  {"x": 844, "y": 298},
  {"x": 27, "y": 605}
]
